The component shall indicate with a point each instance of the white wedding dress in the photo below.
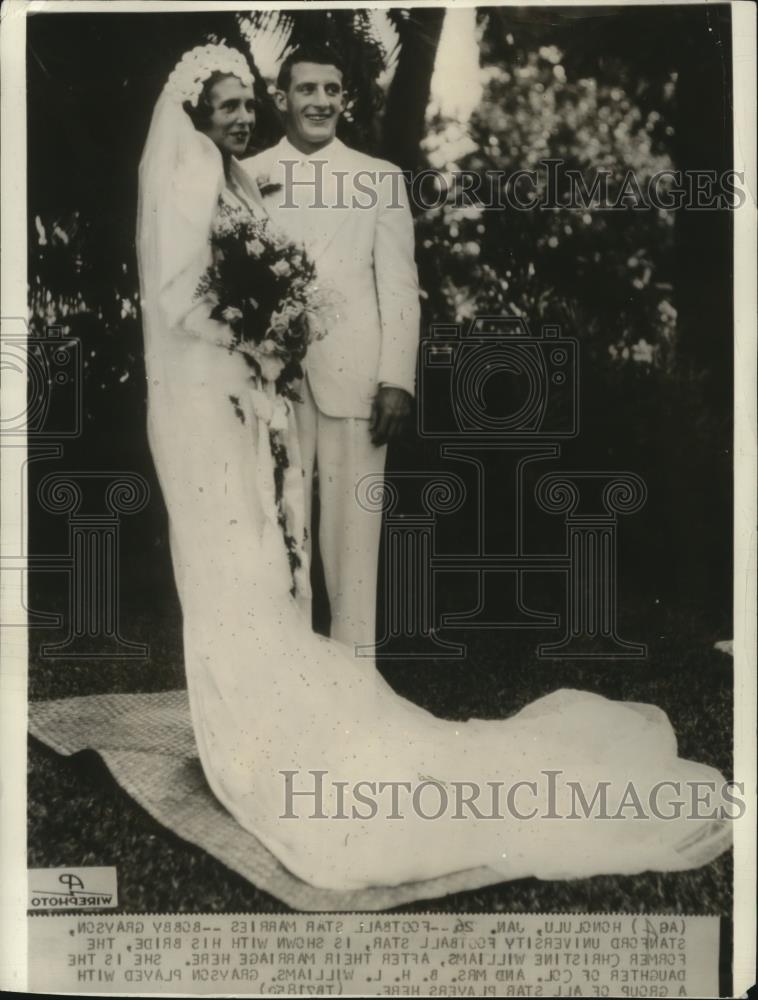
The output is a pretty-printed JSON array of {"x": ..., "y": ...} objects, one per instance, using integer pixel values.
[{"x": 268, "y": 695}]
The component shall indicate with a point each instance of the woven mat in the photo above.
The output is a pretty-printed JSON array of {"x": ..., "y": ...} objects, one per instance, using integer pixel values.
[{"x": 147, "y": 742}]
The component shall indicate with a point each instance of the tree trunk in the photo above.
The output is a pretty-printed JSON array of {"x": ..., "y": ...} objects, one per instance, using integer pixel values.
[{"x": 408, "y": 95}]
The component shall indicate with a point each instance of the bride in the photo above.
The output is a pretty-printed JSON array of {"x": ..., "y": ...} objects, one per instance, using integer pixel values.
[{"x": 295, "y": 735}]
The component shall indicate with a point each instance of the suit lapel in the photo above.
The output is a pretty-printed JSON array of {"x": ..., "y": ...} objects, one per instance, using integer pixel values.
[
  {"x": 316, "y": 226},
  {"x": 339, "y": 189}
]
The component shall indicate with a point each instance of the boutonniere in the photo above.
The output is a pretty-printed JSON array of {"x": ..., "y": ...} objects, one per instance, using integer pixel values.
[{"x": 266, "y": 186}]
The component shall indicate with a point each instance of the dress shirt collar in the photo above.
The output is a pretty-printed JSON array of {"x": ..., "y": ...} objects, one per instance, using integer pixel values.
[{"x": 333, "y": 152}]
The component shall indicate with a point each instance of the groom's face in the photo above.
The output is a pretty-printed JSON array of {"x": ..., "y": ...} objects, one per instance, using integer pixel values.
[{"x": 312, "y": 105}]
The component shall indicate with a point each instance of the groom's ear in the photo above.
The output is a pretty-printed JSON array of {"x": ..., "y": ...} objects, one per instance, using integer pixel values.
[{"x": 280, "y": 100}]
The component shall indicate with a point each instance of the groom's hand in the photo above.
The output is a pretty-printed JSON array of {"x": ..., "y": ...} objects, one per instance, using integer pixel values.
[{"x": 389, "y": 414}]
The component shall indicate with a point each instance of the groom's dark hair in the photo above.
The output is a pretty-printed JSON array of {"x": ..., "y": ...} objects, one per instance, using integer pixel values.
[{"x": 322, "y": 55}]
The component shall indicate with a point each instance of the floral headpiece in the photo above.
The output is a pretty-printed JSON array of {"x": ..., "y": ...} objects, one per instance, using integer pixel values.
[{"x": 188, "y": 76}]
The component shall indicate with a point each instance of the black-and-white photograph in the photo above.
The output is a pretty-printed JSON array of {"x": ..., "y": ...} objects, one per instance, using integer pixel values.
[{"x": 375, "y": 481}]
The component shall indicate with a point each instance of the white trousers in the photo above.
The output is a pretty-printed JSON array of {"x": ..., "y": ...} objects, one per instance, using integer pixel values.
[{"x": 341, "y": 449}]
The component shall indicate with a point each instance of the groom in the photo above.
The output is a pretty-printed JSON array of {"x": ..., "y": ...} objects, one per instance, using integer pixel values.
[{"x": 351, "y": 213}]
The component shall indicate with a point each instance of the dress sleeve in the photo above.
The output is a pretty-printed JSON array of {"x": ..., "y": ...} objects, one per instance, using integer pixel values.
[
  {"x": 198, "y": 322},
  {"x": 182, "y": 307}
]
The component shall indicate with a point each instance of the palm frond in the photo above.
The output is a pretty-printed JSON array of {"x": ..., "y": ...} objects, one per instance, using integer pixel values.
[{"x": 268, "y": 34}]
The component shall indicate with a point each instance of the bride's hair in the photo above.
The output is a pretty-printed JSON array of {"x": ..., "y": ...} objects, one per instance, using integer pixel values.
[
  {"x": 193, "y": 78},
  {"x": 200, "y": 114}
]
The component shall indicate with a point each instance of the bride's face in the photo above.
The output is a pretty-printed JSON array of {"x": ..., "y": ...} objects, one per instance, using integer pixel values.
[{"x": 232, "y": 117}]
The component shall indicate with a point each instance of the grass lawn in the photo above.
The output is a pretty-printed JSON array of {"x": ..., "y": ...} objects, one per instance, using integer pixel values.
[{"x": 79, "y": 816}]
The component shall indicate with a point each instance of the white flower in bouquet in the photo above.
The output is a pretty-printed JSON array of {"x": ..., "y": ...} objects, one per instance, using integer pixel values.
[
  {"x": 277, "y": 324},
  {"x": 279, "y": 416},
  {"x": 255, "y": 248},
  {"x": 281, "y": 269},
  {"x": 291, "y": 311},
  {"x": 270, "y": 365},
  {"x": 316, "y": 324},
  {"x": 231, "y": 313}
]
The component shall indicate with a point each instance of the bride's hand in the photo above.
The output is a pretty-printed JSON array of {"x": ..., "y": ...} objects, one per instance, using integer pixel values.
[{"x": 201, "y": 324}]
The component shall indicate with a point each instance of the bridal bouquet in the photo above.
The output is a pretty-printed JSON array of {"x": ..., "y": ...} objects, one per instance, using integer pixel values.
[{"x": 264, "y": 288}]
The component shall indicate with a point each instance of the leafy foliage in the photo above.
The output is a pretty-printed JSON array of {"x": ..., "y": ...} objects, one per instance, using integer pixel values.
[{"x": 604, "y": 276}]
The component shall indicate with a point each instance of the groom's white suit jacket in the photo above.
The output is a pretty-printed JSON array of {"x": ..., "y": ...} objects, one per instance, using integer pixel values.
[{"x": 351, "y": 213}]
